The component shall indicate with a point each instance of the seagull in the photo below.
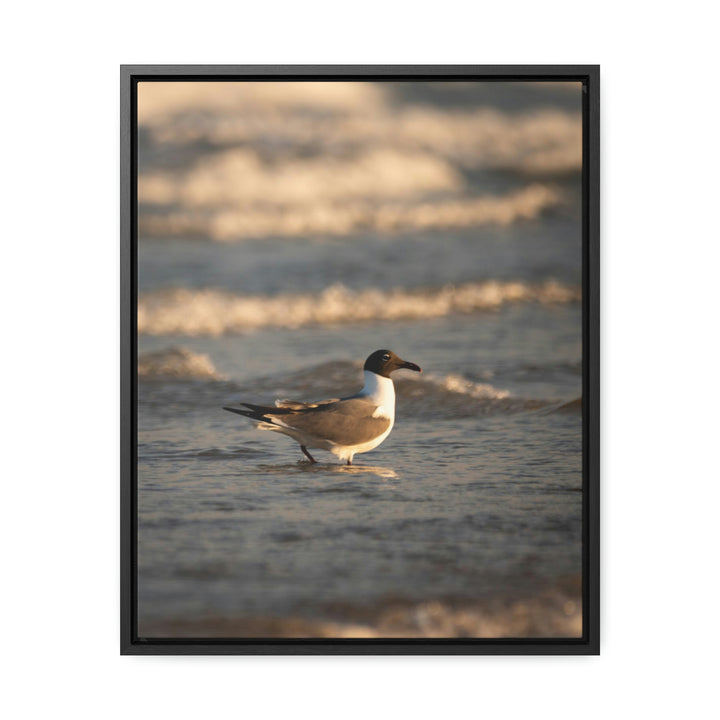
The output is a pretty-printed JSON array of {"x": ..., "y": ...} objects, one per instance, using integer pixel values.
[{"x": 344, "y": 426}]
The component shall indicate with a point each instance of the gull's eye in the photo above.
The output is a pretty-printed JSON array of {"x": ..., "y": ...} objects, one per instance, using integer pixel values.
[{"x": 386, "y": 357}]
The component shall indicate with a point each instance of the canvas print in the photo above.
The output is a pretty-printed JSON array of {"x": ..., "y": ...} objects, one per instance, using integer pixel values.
[{"x": 360, "y": 359}]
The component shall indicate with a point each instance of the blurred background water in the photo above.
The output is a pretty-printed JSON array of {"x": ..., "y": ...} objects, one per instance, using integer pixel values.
[{"x": 287, "y": 230}]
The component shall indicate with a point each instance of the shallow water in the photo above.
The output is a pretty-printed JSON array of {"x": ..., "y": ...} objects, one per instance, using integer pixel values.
[{"x": 467, "y": 520}]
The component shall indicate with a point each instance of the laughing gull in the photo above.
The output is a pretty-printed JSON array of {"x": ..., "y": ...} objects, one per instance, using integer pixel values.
[{"x": 344, "y": 426}]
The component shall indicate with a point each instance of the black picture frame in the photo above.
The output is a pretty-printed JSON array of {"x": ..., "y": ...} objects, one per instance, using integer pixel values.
[{"x": 589, "y": 644}]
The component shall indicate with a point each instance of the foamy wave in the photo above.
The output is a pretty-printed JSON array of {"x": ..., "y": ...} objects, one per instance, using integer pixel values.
[
  {"x": 327, "y": 218},
  {"x": 158, "y": 103},
  {"x": 452, "y": 396},
  {"x": 553, "y": 612},
  {"x": 436, "y": 392},
  {"x": 462, "y": 386},
  {"x": 216, "y": 312},
  {"x": 333, "y": 117},
  {"x": 240, "y": 176},
  {"x": 234, "y": 160},
  {"x": 544, "y": 141},
  {"x": 176, "y": 363}
]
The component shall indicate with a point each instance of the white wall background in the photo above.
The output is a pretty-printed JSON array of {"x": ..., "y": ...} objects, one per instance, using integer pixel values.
[{"x": 60, "y": 406}]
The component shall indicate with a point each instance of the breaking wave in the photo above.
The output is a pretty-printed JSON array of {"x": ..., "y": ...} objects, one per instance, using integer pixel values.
[
  {"x": 240, "y": 176},
  {"x": 462, "y": 386},
  {"x": 237, "y": 221},
  {"x": 217, "y": 312},
  {"x": 228, "y": 161},
  {"x": 452, "y": 396},
  {"x": 554, "y": 611},
  {"x": 161, "y": 103},
  {"x": 335, "y": 118},
  {"x": 429, "y": 395},
  {"x": 333, "y": 377},
  {"x": 177, "y": 363}
]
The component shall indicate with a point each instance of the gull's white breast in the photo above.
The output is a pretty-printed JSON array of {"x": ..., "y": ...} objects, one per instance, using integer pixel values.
[{"x": 381, "y": 391}]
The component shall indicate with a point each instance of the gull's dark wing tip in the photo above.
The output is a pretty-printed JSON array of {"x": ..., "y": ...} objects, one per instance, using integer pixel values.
[
  {"x": 246, "y": 413},
  {"x": 259, "y": 412}
]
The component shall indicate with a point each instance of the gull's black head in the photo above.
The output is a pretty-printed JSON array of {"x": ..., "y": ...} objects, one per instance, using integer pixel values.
[{"x": 383, "y": 362}]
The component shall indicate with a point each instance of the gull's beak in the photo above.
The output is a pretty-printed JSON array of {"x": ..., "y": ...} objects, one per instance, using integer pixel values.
[{"x": 409, "y": 366}]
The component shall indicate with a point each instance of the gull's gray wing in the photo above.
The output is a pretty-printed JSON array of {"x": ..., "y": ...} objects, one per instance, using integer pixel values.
[
  {"x": 299, "y": 405},
  {"x": 346, "y": 422}
]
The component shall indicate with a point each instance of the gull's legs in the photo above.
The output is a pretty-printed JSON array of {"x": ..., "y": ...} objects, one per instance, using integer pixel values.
[{"x": 307, "y": 454}]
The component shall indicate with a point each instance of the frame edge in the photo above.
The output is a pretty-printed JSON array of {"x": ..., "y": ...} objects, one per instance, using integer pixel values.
[{"x": 129, "y": 645}]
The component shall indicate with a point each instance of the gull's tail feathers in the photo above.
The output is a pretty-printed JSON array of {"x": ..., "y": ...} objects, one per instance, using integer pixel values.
[
  {"x": 265, "y": 417},
  {"x": 262, "y": 414}
]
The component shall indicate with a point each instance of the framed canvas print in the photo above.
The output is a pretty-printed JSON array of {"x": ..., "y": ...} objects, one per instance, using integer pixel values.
[{"x": 360, "y": 347}]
